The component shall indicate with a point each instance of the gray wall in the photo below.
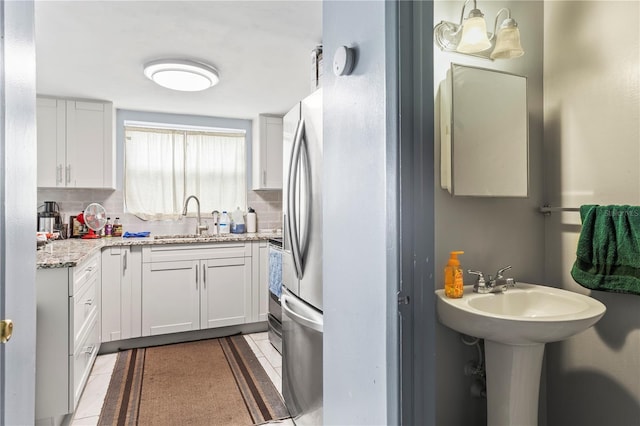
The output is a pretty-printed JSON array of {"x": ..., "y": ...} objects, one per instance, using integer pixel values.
[
  {"x": 360, "y": 218},
  {"x": 493, "y": 232},
  {"x": 592, "y": 154}
]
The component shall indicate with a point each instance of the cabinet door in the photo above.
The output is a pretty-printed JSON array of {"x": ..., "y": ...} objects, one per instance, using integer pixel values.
[
  {"x": 51, "y": 142},
  {"x": 268, "y": 154},
  {"x": 111, "y": 294},
  {"x": 170, "y": 297},
  {"x": 131, "y": 289},
  {"x": 226, "y": 292},
  {"x": 262, "y": 283},
  {"x": 89, "y": 130}
]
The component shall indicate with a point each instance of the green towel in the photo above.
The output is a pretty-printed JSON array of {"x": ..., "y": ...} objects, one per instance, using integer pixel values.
[{"x": 608, "y": 255}]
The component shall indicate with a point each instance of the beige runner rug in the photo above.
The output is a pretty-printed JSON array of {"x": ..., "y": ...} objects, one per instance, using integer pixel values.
[{"x": 208, "y": 382}]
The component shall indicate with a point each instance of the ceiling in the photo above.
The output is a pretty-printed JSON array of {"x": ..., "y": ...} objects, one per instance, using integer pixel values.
[{"x": 96, "y": 50}]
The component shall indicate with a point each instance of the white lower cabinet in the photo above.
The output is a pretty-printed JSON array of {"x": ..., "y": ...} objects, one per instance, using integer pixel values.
[
  {"x": 261, "y": 257},
  {"x": 170, "y": 297},
  {"x": 68, "y": 335},
  {"x": 121, "y": 292},
  {"x": 225, "y": 297},
  {"x": 195, "y": 287}
]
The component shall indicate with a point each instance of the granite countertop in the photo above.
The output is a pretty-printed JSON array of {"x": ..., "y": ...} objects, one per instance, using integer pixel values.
[{"x": 68, "y": 253}]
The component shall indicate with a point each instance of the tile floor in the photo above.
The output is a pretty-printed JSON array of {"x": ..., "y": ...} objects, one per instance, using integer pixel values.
[{"x": 90, "y": 404}]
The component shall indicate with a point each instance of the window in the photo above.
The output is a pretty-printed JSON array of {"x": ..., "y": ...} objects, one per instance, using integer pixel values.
[{"x": 163, "y": 166}]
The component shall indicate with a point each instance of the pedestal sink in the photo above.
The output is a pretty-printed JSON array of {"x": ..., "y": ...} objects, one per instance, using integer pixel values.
[{"x": 516, "y": 325}]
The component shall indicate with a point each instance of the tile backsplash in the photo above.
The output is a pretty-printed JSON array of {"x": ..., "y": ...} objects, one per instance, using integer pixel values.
[{"x": 267, "y": 204}]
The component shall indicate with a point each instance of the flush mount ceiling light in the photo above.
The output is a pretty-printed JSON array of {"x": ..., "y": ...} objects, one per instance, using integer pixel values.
[
  {"x": 470, "y": 36},
  {"x": 181, "y": 74}
]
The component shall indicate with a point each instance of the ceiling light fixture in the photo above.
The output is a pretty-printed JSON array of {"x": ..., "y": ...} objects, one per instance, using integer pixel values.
[
  {"x": 181, "y": 74},
  {"x": 470, "y": 36}
]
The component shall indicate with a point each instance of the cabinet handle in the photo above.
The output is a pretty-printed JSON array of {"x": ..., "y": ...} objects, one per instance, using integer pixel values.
[
  {"x": 59, "y": 173},
  {"x": 89, "y": 269},
  {"x": 88, "y": 349},
  {"x": 68, "y": 173},
  {"x": 204, "y": 276},
  {"x": 88, "y": 302},
  {"x": 124, "y": 262},
  {"x": 196, "y": 277},
  {"x": 264, "y": 177}
]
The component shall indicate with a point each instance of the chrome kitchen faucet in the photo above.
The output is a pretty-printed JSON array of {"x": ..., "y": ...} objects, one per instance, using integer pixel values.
[{"x": 199, "y": 226}]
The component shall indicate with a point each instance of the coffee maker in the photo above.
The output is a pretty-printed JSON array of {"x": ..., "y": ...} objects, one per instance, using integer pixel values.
[{"x": 49, "y": 218}]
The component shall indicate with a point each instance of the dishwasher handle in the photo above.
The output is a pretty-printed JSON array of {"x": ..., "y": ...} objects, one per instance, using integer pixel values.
[{"x": 288, "y": 306}]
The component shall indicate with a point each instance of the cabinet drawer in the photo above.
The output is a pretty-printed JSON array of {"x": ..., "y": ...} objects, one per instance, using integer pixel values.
[
  {"x": 86, "y": 271},
  {"x": 177, "y": 252},
  {"x": 82, "y": 360},
  {"x": 83, "y": 306}
]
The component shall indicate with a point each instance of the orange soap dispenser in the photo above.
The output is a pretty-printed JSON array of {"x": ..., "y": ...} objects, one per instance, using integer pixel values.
[{"x": 453, "y": 283}]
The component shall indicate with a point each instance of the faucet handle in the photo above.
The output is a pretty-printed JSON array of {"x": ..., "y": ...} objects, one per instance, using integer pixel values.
[
  {"x": 501, "y": 270},
  {"x": 481, "y": 281}
]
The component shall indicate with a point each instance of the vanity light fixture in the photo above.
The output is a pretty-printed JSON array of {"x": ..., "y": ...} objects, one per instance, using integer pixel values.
[
  {"x": 182, "y": 74},
  {"x": 470, "y": 36}
]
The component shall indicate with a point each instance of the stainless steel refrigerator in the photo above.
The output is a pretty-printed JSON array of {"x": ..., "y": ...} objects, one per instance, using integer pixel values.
[{"x": 301, "y": 300}]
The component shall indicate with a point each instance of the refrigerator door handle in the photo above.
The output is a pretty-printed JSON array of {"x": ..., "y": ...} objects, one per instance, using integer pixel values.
[
  {"x": 289, "y": 302},
  {"x": 292, "y": 186}
]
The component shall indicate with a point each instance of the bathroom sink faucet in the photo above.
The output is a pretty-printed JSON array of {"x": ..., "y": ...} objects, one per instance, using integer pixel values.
[
  {"x": 499, "y": 284},
  {"x": 199, "y": 226}
]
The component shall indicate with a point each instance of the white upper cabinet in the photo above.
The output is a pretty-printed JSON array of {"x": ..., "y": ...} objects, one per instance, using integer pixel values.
[
  {"x": 267, "y": 153},
  {"x": 75, "y": 143}
]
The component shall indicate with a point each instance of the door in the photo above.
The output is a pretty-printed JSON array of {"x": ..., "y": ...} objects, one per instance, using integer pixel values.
[
  {"x": 17, "y": 218},
  {"x": 170, "y": 297},
  {"x": 310, "y": 201},
  {"x": 302, "y": 259},
  {"x": 112, "y": 273},
  {"x": 226, "y": 292},
  {"x": 289, "y": 127}
]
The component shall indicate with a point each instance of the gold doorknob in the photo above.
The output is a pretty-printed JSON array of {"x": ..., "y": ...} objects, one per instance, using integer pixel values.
[{"x": 6, "y": 330}]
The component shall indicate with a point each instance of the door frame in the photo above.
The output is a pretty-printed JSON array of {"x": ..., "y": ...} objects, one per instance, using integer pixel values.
[
  {"x": 18, "y": 196},
  {"x": 416, "y": 319}
]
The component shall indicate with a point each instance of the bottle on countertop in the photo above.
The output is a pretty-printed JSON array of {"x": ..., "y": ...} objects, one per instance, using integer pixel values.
[
  {"x": 224, "y": 227},
  {"x": 251, "y": 221},
  {"x": 108, "y": 228},
  {"x": 453, "y": 277},
  {"x": 117, "y": 228},
  {"x": 237, "y": 222}
]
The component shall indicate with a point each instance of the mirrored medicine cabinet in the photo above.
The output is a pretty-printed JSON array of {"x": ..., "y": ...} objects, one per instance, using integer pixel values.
[{"x": 484, "y": 133}]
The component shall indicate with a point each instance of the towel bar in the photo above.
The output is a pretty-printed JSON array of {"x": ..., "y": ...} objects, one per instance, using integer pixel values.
[{"x": 547, "y": 210}]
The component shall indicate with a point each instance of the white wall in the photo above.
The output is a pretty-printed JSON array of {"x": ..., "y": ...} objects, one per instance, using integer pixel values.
[
  {"x": 592, "y": 153},
  {"x": 493, "y": 232},
  {"x": 359, "y": 255}
]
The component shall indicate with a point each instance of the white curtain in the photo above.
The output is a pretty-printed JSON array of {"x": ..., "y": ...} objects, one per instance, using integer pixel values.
[
  {"x": 215, "y": 171},
  {"x": 163, "y": 167}
]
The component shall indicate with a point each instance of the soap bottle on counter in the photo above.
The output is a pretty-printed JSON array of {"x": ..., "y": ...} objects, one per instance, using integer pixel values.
[
  {"x": 224, "y": 225},
  {"x": 453, "y": 280},
  {"x": 108, "y": 228}
]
